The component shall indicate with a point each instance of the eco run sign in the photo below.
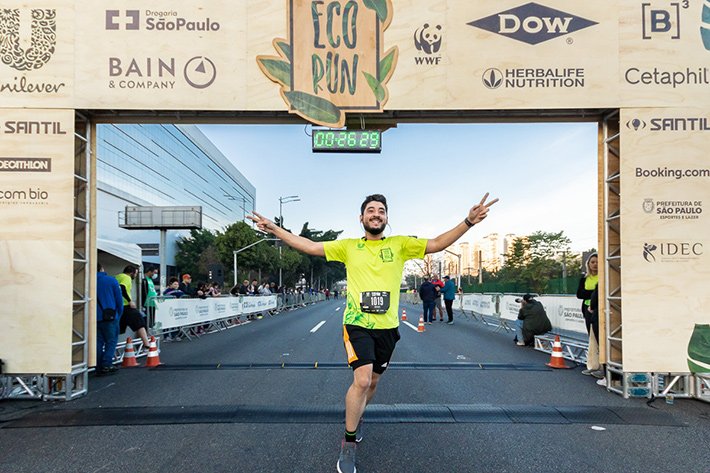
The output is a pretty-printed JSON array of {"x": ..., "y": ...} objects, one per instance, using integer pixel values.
[{"x": 327, "y": 65}]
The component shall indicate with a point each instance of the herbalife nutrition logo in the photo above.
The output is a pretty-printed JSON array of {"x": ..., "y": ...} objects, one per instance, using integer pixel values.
[{"x": 532, "y": 23}]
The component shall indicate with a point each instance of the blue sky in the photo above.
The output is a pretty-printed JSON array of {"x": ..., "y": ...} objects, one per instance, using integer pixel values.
[{"x": 545, "y": 175}]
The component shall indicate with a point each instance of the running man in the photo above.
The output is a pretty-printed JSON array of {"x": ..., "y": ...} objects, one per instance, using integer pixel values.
[{"x": 374, "y": 265}]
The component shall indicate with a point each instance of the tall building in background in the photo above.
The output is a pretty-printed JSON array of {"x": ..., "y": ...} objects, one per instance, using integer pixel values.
[
  {"x": 164, "y": 165},
  {"x": 490, "y": 248},
  {"x": 508, "y": 240},
  {"x": 465, "y": 252}
]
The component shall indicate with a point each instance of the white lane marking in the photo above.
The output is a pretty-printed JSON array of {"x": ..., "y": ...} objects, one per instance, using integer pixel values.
[
  {"x": 410, "y": 325},
  {"x": 338, "y": 308},
  {"x": 314, "y": 329}
]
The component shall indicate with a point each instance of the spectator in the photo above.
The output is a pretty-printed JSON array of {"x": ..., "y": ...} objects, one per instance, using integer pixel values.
[
  {"x": 173, "y": 291},
  {"x": 185, "y": 287},
  {"x": 240, "y": 290},
  {"x": 253, "y": 288},
  {"x": 438, "y": 285},
  {"x": 587, "y": 285},
  {"x": 131, "y": 317},
  {"x": 214, "y": 290},
  {"x": 149, "y": 293},
  {"x": 594, "y": 313},
  {"x": 427, "y": 293},
  {"x": 532, "y": 320},
  {"x": 201, "y": 290},
  {"x": 109, "y": 308},
  {"x": 449, "y": 293}
]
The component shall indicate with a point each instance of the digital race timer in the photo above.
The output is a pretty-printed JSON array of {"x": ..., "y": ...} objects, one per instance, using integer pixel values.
[{"x": 347, "y": 141}]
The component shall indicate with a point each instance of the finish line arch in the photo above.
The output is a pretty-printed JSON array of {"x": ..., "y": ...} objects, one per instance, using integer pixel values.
[{"x": 639, "y": 69}]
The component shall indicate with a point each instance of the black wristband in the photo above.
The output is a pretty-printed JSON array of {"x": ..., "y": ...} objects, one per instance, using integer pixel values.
[{"x": 468, "y": 224}]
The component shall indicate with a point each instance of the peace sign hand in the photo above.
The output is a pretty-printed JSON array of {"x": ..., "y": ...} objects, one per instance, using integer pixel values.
[{"x": 480, "y": 211}]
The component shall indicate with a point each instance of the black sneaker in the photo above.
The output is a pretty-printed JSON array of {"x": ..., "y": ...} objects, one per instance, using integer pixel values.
[
  {"x": 102, "y": 371},
  {"x": 112, "y": 369}
]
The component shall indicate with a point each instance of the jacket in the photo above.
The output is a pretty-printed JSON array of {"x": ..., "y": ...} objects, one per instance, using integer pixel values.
[
  {"x": 108, "y": 296},
  {"x": 535, "y": 321},
  {"x": 427, "y": 292},
  {"x": 449, "y": 290}
]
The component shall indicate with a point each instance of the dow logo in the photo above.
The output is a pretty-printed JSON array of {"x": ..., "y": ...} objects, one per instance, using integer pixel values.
[
  {"x": 41, "y": 44},
  {"x": 532, "y": 23}
]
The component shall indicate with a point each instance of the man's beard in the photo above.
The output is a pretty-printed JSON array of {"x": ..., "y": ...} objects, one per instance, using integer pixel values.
[{"x": 374, "y": 230}]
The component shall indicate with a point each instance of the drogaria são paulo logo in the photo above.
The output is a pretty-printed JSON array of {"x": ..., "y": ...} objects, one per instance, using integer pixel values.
[
  {"x": 532, "y": 23},
  {"x": 43, "y": 40}
]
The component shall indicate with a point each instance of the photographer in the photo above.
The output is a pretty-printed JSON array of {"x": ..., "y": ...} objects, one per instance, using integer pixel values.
[{"x": 532, "y": 320}]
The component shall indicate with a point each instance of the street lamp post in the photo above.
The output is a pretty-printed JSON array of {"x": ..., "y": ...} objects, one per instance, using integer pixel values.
[
  {"x": 284, "y": 200},
  {"x": 458, "y": 267},
  {"x": 235, "y": 252}
]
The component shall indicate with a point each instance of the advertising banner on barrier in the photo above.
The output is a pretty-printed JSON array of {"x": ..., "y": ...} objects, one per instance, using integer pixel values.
[
  {"x": 665, "y": 239},
  {"x": 172, "y": 313},
  {"x": 564, "y": 312},
  {"x": 36, "y": 239}
]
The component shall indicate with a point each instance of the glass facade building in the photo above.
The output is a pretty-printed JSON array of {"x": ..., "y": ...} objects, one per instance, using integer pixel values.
[{"x": 165, "y": 165}]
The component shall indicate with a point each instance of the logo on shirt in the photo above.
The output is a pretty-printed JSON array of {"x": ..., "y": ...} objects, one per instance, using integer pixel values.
[{"x": 386, "y": 255}]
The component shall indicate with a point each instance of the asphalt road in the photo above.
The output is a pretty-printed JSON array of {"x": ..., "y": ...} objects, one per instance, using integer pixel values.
[{"x": 268, "y": 397}]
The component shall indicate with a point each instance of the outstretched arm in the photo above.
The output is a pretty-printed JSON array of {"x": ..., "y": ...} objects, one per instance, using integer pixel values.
[
  {"x": 309, "y": 247},
  {"x": 477, "y": 213}
]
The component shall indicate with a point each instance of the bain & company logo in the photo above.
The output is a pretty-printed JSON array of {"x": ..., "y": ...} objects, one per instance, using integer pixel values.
[
  {"x": 672, "y": 252},
  {"x": 160, "y": 73},
  {"x": 427, "y": 40},
  {"x": 156, "y": 21},
  {"x": 532, "y": 23}
]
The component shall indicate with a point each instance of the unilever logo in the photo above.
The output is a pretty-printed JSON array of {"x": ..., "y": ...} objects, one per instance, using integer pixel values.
[
  {"x": 532, "y": 23},
  {"x": 42, "y": 44}
]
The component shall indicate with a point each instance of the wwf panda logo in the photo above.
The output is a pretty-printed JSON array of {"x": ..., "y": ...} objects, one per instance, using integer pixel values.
[{"x": 428, "y": 39}]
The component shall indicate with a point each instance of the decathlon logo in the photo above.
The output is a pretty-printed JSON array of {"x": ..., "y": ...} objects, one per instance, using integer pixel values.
[
  {"x": 130, "y": 20},
  {"x": 532, "y": 23},
  {"x": 26, "y": 164},
  {"x": 40, "y": 45},
  {"x": 492, "y": 78}
]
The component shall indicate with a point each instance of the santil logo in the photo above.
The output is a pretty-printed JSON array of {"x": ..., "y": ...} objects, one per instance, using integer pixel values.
[
  {"x": 532, "y": 23},
  {"x": 40, "y": 44}
]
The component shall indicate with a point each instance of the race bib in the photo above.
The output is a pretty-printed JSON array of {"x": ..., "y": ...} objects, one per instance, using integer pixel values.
[{"x": 375, "y": 302}]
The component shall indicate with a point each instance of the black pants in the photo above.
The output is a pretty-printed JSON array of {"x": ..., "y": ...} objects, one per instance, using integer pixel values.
[
  {"x": 449, "y": 309},
  {"x": 591, "y": 321}
]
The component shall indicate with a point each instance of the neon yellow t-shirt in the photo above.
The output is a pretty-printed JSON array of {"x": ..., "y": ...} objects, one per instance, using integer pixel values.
[
  {"x": 125, "y": 280},
  {"x": 590, "y": 282},
  {"x": 374, "y": 265}
]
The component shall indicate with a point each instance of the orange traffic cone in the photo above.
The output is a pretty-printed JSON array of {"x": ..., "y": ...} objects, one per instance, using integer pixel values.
[
  {"x": 404, "y": 314},
  {"x": 421, "y": 328},
  {"x": 153, "y": 358},
  {"x": 556, "y": 359},
  {"x": 129, "y": 355}
]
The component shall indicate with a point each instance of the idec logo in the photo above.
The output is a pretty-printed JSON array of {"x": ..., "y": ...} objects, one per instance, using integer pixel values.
[{"x": 532, "y": 23}]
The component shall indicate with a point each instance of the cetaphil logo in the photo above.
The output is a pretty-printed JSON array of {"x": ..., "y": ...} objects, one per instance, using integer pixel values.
[
  {"x": 648, "y": 205},
  {"x": 636, "y": 124},
  {"x": 648, "y": 249},
  {"x": 41, "y": 44},
  {"x": 492, "y": 78},
  {"x": 532, "y": 23},
  {"x": 160, "y": 20}
]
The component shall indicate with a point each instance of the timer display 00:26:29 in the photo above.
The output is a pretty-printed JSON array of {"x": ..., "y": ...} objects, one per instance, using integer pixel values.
[{"x": 347, "y": 141}]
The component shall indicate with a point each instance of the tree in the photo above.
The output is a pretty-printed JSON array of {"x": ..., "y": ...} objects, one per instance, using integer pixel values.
[
  {"x": 194, "y": 251},
  {"x": 262, "y": 257},
  {"x": 320, "y": 268}
]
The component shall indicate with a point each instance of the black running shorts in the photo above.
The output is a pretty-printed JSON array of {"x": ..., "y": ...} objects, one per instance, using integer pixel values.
[
  {"x": 131, "y": 318},
  {"x": 366, "y": 346}
]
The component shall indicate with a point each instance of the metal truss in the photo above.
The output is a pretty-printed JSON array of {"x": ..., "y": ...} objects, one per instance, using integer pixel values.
[{"x": 571, "y": 350}]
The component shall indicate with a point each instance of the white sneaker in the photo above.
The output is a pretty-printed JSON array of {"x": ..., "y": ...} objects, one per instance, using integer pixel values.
[{"x": 601, "y": 382}]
